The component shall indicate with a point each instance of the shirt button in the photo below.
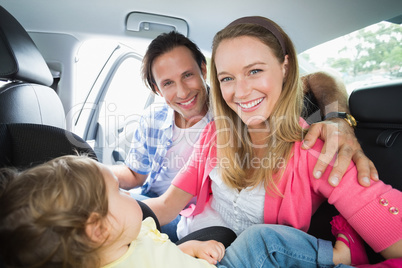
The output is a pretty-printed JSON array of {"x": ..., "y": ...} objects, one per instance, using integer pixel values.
[
  {"x": 394, "y": 210},
  {"x": 384, "y": 202}
]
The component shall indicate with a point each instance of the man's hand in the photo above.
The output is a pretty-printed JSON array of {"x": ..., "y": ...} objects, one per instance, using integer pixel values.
[
  {"x": 211, "y": 251},
  {"x": 339, "y": 138},
  {"x": 128, "y": 179}
]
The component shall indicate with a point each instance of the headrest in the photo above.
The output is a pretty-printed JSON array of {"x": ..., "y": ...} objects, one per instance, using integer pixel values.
[
  {"x": 377, "y": 104},
  {"x": 25, "y": 145},
  {"x": 21, "y": 59}
]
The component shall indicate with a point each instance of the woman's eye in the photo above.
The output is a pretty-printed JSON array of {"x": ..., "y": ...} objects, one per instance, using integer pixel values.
[
  {"x": 255, "y": 71},
  {"x": 225, "y": 79}
]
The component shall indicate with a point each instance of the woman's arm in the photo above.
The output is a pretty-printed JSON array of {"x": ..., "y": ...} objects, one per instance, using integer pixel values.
[
  {"x": 167, "y": 206},
  {"x": 372, "y": 211}
]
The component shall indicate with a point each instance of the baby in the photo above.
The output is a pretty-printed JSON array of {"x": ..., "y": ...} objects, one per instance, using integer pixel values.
[{"x": 70, "y": 212}]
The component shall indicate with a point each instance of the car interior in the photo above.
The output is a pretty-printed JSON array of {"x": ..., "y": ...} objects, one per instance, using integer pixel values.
[{"x": 40, "y": 118}]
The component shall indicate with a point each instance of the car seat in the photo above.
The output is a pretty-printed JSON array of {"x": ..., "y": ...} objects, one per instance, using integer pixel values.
[
  {"x": 25, "y": 95},
  {"x": 26, "y": 145},
  {"x": 378, "y": 111}
]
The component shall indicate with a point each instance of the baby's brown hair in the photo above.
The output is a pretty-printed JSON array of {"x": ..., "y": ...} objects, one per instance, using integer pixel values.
[{"x": 44, "y": 211}]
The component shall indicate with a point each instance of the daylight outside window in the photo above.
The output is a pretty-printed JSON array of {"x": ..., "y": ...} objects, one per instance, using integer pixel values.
[{"x": 369, "y": 56}]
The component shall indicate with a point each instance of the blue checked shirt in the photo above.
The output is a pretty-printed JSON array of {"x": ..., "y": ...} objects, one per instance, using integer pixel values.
[{"x": 151, "y": 141}]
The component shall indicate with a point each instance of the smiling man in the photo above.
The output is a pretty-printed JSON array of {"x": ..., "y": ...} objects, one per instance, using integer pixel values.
[
  {"x": 175, "y": 68},
  {"x": 181, "y": 81}
]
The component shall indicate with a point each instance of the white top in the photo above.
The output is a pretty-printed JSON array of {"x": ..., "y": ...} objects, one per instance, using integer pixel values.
[
  {"x": 183, "y": 142},
  {"x": 227, "y": 207}
]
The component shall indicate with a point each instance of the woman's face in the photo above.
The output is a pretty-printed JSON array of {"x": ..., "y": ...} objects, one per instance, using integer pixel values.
[{"x": 250, "y": 77}]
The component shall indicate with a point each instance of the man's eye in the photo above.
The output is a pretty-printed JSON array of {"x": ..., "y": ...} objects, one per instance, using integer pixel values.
[
  {"x": 167, "y": 84},
  {"x": 188, "y": 75}
]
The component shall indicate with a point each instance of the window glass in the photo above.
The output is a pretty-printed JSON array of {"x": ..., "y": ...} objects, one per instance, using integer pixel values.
[
  {"x": 124, "y": 101},
  {"x": 90, "y": 59},
  {"x": 365, "y": 57}
]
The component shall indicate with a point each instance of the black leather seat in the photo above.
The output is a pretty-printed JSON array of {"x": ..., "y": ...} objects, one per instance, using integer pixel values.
[
  {"x": 27, "y": 145},
  {"x": 26, "y": 96},
  {"x": 378, "y": 112}
]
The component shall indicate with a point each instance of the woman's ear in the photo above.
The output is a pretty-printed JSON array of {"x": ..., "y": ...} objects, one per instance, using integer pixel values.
[
  {"x": 285, "y": 66},
  {"x": 95, "y": 228}
]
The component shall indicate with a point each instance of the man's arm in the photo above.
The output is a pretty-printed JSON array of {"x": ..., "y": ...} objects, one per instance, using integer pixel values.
[
  {"x": 128, "y": 179},
  {"x": 329, "y": 90},
  {"x": 338, "y": 135}
]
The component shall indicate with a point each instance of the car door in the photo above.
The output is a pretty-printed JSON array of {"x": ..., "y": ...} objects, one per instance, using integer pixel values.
[{"x": 114, "y": 106}]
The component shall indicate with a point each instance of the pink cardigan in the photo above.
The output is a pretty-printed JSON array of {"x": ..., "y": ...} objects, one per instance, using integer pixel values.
[{"x": 303, "y": 194}]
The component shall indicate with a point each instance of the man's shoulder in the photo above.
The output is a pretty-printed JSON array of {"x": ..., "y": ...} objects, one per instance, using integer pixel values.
[{"x": 159, "y": 112}]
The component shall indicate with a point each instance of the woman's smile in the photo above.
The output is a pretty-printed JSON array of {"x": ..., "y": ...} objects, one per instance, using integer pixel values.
[{"x": 250, "y": 105}]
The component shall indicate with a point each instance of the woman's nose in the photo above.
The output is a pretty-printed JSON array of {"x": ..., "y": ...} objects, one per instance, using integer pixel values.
[{"x": 242, "y": 89}]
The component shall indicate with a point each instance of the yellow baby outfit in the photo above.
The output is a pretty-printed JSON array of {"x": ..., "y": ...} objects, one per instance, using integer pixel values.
[{"x": 153, "y": 249}]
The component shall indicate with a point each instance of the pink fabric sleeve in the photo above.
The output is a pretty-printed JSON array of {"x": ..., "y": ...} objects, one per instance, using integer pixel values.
[
  {"x": 193, "y": 177},
  {"x": 374, "y": 212}
]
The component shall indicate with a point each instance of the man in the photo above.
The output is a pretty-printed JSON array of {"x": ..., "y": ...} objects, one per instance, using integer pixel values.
[{"x": 175, "y": 68}]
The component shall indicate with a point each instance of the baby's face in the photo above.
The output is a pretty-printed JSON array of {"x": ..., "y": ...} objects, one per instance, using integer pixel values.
[{"x": 125, "y": 214}]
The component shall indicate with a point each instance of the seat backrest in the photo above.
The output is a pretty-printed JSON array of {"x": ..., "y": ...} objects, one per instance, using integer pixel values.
[
  {"x": 27, "y": 145},
  {"x": 378, "y": 112},
  {"x": 26, "y": 95}
]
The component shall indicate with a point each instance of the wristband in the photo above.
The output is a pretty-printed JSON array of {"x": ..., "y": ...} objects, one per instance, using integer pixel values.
[{"x": 347, "y": 117}]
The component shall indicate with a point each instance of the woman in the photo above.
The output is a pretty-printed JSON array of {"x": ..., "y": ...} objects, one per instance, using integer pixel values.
[{"x": 250, "y": 157}]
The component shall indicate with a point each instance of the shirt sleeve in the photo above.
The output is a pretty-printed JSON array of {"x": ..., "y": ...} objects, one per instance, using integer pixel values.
[
  {"x": 189, "y": 177},
  {"x": 374, "y": 212},
  {"x": 193, "y": 177},
  {"x": 139, "y": 158}
]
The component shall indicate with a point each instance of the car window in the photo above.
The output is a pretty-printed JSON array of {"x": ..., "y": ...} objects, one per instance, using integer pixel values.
[
  {"x": 126, "y": 95},
  {"x": 365, "y": 57}
]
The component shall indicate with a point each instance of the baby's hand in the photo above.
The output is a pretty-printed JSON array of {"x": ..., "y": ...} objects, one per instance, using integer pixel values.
[{"x": 211, "y": 251}]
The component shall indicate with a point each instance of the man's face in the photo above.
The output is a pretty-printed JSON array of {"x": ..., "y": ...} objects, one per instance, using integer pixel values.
[{"x": 181, "y": 82}]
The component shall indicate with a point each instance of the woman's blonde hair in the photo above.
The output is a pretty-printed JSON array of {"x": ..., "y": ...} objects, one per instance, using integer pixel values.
[
  {"x": 233, "y": 140},
  {"x": 45, "y": 209}
]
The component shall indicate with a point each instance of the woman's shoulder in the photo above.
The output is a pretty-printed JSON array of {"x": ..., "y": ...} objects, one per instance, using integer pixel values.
[
  {"x": 208, "y": 134},
  {"x": 314, "y": 151}
]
